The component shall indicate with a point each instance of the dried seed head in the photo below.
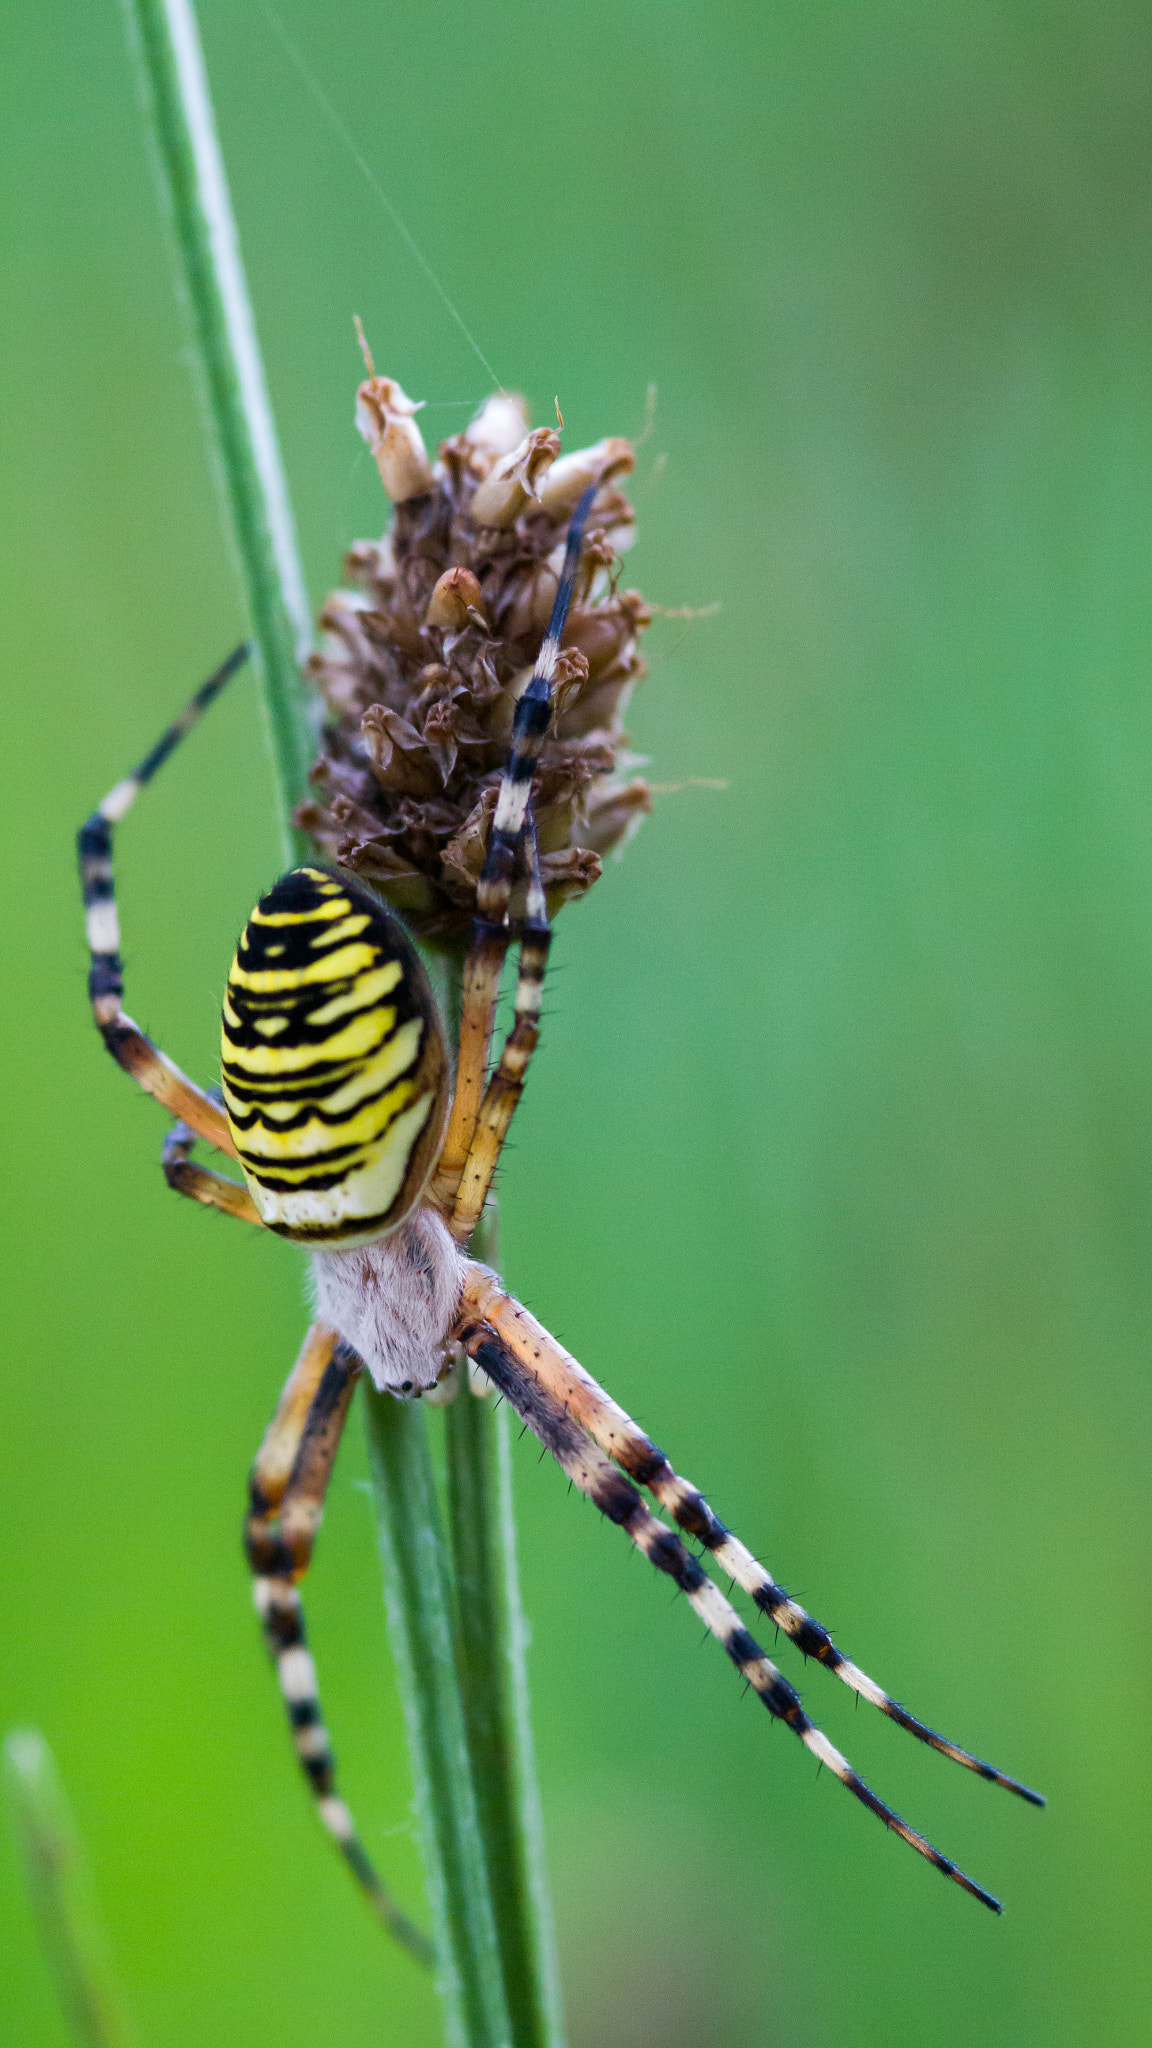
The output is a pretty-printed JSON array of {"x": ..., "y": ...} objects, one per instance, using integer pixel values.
[{"x": 423, "y": 660}]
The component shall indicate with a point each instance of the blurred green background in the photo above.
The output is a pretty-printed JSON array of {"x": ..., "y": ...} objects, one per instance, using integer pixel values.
[{"x": 837, "y": 1163}]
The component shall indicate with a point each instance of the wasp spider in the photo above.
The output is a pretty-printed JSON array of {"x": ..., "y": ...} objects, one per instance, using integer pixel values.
[{"x": 339, "y": 1105}]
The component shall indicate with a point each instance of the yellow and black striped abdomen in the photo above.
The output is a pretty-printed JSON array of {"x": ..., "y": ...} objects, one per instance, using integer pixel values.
[{"x": 332, "y": 1062}]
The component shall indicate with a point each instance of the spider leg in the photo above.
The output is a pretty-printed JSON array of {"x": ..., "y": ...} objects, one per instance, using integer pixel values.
[
  {"x": 615, "y": 1496},
  {"x": 215, "y": 1190},
  {"x": 491, "y": 931},
  {"x": 481, "y": 988},
  {"x": 507, "y": 1084},
  {"x": 615, "y": 1432},
  {"x": 286, "y": 1500},
  {"x": 125, "y": 1041}
]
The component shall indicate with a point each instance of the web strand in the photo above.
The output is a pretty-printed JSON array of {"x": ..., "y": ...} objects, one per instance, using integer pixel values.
[{"x": 371, "y": 180}]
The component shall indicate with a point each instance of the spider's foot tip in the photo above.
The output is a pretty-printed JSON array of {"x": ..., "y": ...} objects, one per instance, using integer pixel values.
[
  {"x": 976, "y": 1891},
  {"x": 1022, "y": 1791}
]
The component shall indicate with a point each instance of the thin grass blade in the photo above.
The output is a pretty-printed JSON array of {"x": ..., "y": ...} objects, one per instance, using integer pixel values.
[{"x": 60, "y": 1891}]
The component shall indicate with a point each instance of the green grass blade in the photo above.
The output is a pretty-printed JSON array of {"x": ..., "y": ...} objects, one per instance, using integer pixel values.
[
  {"x": 418, "y": 1590},
  {"x": 194, "y": 183},
  {"x": 546, "y": 1957},
  {"x": 483, "y": 1948},
  {"x": 493, "y": 1680},
  {"x": 212, "y": 277},
  {"x": 60, "y": 1891}
]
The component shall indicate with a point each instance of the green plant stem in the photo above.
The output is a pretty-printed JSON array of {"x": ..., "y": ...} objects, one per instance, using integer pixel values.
[
  {"x": 61, "y": 1895},
  {"x": 417, "y": 1584},
  {"x": 467, "y": 1706},
  {"x": 490, "y": 1653},
  {"x": 192, "y": 178},
  {"x": 547, "y": 1960},
  {"x": 416, "y": 1567}
]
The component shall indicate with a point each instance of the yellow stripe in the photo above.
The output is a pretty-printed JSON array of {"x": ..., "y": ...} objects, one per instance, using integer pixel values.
[
  {"x": 336, "y": 906},
  {"x": 349, "y": 929},
  {"x": 340, "y": 966},
  {"x": 291, "y": 1148},
  {"x": 368, "y": 988},
  {"x": 356, "y": 1041},
  {"x": 318, "y": 913}
]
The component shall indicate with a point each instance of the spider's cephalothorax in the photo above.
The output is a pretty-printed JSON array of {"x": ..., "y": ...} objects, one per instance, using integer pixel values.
[{"x": 336, "y": 1106}]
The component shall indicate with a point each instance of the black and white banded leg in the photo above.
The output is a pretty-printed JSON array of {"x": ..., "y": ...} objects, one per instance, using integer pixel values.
[
  {"x": 529, "y": 726},
  {"x": 286, "y": 1501},
  {"x": 616, "y": 1497},
  {"x": 491, "y": 932},
  {"x": 127, "y": 1044},
  {"x": 612, "y": 1428}
]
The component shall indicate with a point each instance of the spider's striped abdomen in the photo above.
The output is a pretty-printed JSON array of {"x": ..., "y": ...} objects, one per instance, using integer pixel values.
[{"x": 332, "y": 1061}]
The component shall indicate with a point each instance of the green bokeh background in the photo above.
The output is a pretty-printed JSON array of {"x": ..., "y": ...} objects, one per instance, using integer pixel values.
[{"x": 837, "y": 1162}]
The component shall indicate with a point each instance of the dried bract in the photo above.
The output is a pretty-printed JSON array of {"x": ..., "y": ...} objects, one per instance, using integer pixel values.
[
  {"x": 510, "y": 485},
  {"x": 424, "y": 657},
  {"x": 384, "y": 415},
  {"x": 570, "y": 476}
]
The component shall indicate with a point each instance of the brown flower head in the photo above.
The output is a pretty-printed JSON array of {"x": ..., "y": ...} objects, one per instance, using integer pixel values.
[{"x": 423, "y": 660}]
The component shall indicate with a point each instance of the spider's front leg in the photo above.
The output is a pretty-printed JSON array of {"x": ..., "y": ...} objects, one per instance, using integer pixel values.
[
  {"x": 504, "y": 1090},
  {"x": 287, "y": 1489},
  {"x": 482, "y": 1110},
  {"x": 127, "y": 1044}
]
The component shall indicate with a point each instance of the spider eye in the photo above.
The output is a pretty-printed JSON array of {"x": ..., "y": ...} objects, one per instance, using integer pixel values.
[{"x": 332, "y": 1061}]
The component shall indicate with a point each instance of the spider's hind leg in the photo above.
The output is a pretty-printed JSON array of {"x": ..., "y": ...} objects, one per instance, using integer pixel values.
[
  {"x": 288, "y": 1484},
  {"x": 614, "y": 1431},
  {"x": 616, "y": 1497}
]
